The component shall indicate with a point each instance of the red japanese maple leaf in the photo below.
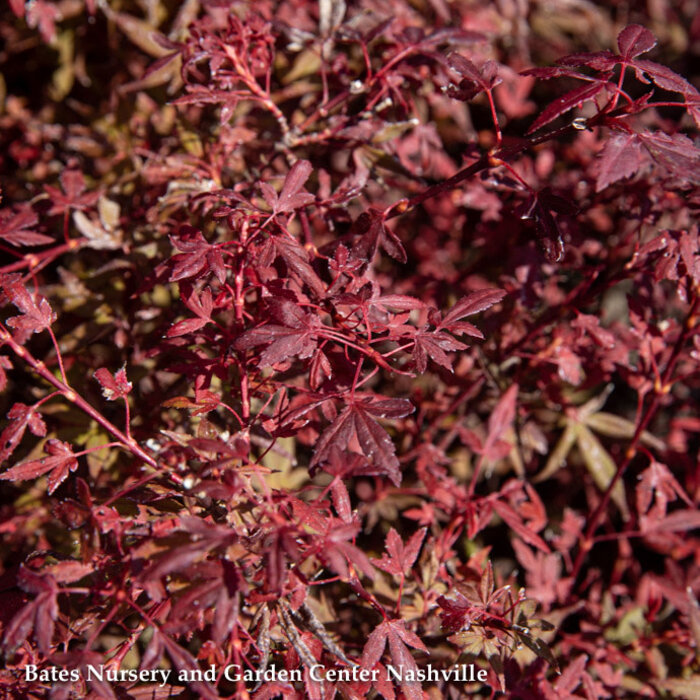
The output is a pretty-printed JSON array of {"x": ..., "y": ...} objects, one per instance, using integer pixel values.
[
  {"x": 114, "y": 386},
  {"x": 399, "y": 558},
  {"x": 473, "y": 80},
  {"x": 38, "y": 615},
  {"x": 357, "y": 421},
  {"x": 295, "y": 335},
  {"x": 60, "y": 461},
  {"x": 21, "y": 417},
  {"x": 336, "y": 549},
  {"x": 373, "y": 232},
  {"x": 36, "y": 311},
  {"x": 199, "y": 257},
  {"x": 16, "y": 227},
  {"x": 343, "y": 465},
  {"x": 399, "y": 638},
  {"x": 73, "y": 195},
  {"x": 201, "y": 305},
  {"x": 292, "y": 196}
]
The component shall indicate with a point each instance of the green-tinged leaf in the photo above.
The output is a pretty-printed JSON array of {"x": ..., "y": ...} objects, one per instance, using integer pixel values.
[
  {"x": 629, "y": 628},
  {"x": 190, "y": 142},
  {"x": 373, "y": 157},
  {"x": 285, "y": 474},
  {"x": 557, "y": 458},
  {"x": 391, "y": 131},
  {"x": 685, "y": 688},
  {"x": 99, "y": 460},
  {"x": 610, "y": 425},
  {"x": 64, "y": 76},
  {"x": 307, "y": 63},
  {"x": 109, "y": 212},
  {"x": 595, "y": 404},
  {"x": 165, "y": 70},
  {"x": 475, "y": 642},
  {"x": 138, "y": 31},
  {"x": 181, "y": 402},
  {"x": 601, "y": 466}
]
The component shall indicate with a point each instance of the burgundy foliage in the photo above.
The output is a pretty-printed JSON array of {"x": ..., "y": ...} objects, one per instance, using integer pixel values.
[{"x": 350, "y": 335}]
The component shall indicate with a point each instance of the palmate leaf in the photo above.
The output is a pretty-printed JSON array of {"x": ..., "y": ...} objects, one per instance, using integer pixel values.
[
  {"x": 602, "y": 422},
  {"x": 473, "y": 80},
  {"x": 16, "y": 228},
  {"x": 337, "y": 549},
  {"x": 571, "y": 677},
  {"x": 634, "y": 40},
  {"x": 38, "y": 615},
  {"x": 399, "y": 638},
  {"x": 204, "y": 538},
  {"x": 399, "y": 558},
  {"x": 484, "y": 77},
  {"x": 658, "y": 483},
  {"x": 295, "y": 336},
  {"x": 36, "y": 311},
  {"x": 542, "y": 573},
  {"x": 598, "y": 461},
  {"x": 623, "y": 155},
  {"x": 72, "y": 195},
  {"x": 58, "y": 464},
  {"x": 21, "y": 417},
  {"x": 482, "y": 632},
  {"x": 433, "y": 344},
  {"x": 200, "y": 304},
  {"x": 457, "y": 612},
  {"x": 356, "y": 421},
  {"x": 114, "y": 386},
  {"x": 199, "y": 257},
  {"x": 292, "y": 196},
  {"x": 297, "y": 260},
  {"x": 436, "y": 343}
]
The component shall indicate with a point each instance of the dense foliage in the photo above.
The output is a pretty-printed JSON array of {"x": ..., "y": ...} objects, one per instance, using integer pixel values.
[{"x": 347, "y": 336}]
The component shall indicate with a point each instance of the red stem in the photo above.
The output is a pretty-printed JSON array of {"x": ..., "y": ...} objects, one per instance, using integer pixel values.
[
  {"x": 631, "y": 452},
  {"x": 41, "y": 369}
]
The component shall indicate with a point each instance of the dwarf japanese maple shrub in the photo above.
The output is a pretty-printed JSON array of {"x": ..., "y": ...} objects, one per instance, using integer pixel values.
[{"x": 345, "y": 337}]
